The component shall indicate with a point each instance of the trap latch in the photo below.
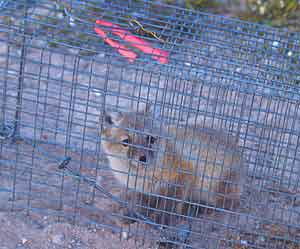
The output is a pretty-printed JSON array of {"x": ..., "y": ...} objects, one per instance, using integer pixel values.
[{"x": 6, "y": 132}]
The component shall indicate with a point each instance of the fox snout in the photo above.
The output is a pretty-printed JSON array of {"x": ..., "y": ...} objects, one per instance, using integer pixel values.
[{"x": 141, "y": 156}]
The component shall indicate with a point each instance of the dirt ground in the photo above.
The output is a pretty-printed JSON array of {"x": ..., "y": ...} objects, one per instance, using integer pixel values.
[{"x": 25, "y": 232}]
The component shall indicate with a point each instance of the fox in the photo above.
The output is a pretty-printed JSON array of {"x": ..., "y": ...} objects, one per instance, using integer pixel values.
[{"x": 172, "y": 167}]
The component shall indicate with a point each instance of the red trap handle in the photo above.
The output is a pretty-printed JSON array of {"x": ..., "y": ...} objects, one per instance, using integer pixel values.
[
  {"x": 158, "y": 54},
  {"x": 123, "y": 50}
]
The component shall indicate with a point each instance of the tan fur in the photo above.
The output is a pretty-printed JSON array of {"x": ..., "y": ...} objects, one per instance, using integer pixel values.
[{"x": 205, "y": 164}]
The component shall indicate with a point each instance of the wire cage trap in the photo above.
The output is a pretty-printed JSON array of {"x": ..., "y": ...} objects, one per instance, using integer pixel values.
[{"x": 73, "y": 72}]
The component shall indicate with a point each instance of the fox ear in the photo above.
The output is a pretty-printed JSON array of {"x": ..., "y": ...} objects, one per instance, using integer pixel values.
[{"x": 112, "y": 118}]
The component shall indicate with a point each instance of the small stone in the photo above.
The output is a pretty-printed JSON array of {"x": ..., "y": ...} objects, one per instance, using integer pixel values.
[
  {"x": 290, "y": 53},
  {"x": 100, "y": 55},
  {"x": 72, "y": 22},
  {"x": 97, "y": 93},
  {"x": 262, "y": 10},
  {"x": 58, "y": 238},
  {"x": 60, "y": 15},
  {"x": 261, "y": 239},
  {"x": 124, "y": 235},
  {"x": 187, "y": 63},
  {"x": 24, "y": 241},
  {"x": 244, "y": 242},
  {"x": 275, "y": 44},
  {"x": 253, "y": 7},
  {"x": 282, "y": 4},
  {"x": 3, "y": 52}
]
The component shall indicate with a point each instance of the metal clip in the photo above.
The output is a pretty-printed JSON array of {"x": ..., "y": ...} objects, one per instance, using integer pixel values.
[
  {"x": 6, "y": 132},
  {"x": 63, "y": 163}
]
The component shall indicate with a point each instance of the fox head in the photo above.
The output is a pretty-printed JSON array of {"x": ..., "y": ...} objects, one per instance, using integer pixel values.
[{"x": 129, "y": 139}]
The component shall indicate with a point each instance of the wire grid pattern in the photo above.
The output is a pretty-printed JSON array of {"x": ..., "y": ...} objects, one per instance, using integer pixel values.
[{"x": 57, "y": 77}]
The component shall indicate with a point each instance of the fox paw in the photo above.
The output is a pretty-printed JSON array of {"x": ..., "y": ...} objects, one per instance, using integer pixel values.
[{"x": 125, "y": 216}]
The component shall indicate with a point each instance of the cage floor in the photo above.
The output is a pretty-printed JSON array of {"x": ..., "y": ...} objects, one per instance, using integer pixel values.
[{"x": 46, "y": 208}]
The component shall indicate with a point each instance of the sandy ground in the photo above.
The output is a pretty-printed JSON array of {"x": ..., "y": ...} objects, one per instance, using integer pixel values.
[
  {"x": 63, "y": 98},
  {"x": 22, "y": 232}
]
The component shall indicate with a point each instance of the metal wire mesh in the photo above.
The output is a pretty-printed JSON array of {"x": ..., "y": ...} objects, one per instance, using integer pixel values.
[{"x": 58, "y": 79}]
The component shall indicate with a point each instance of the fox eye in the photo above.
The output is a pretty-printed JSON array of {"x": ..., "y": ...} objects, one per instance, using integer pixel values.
[
  {"x": 125, "y": 142},
  {"x": 151, "y": 139}
]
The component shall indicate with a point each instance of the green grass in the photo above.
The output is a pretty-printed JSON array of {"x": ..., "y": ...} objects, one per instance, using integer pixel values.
[{"x": 276, "y": 13}]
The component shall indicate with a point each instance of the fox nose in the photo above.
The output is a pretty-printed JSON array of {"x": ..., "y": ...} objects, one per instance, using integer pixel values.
[{"x": 143, "y": 158}]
